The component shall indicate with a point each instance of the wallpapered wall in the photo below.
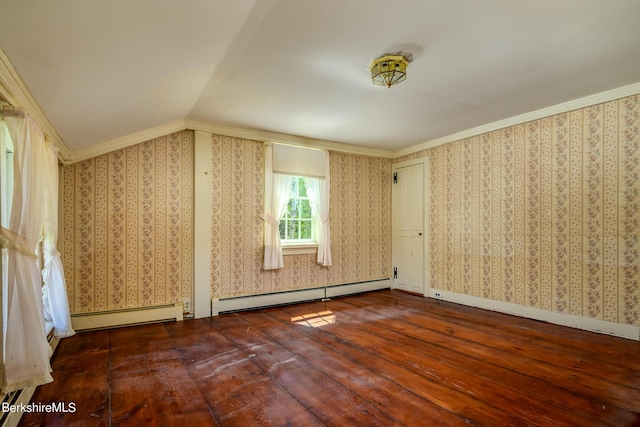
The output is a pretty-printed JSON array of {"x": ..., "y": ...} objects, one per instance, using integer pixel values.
[
  {"x": 128, "y": 237},
  {"x": 128, "y": 225},
  {"x": 360, "y": 223},
  {"x": 545, "y": 214}
]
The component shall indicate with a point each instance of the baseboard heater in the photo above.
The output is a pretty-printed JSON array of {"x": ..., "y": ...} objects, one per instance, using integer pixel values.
[
  {"x": 20, "y": 397},
  {"x": 252, "y": 302},
  {"x": 134, "y": 316}
]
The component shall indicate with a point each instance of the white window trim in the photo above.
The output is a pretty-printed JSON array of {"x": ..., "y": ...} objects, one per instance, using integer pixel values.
[
  {"x": 299, "y": 246},
  {"x": 293, "y": 247}
]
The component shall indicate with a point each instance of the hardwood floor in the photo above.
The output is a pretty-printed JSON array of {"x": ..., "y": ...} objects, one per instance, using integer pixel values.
[{"x": 379, "y": 359}]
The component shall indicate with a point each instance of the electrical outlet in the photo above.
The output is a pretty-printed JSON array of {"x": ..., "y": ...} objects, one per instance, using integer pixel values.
[
  {"x": 438, "y": 295},
  {"x": 186, "y": 304}
]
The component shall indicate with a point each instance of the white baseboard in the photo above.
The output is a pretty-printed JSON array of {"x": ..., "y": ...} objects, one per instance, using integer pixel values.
[
  {"x": 585, "y": 323},
  {"x": 356, "y": 288},
  {"x": 290, "y": 297},
  {"x": 112, "y": 319}
]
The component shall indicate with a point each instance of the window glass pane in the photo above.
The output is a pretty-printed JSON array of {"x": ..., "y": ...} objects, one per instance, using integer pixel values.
[
  {"x": 295, "y": 230},
  {"x": 305, "y": 209},
  {"x": 292, "y": 227},
  {"x": 305, "y": 229},
  {"x": 6, "y": 173},
  {"x": 294, "y": 208},
  {"x": 302, "y": 188},
  {"x": 295, "y": 224}
]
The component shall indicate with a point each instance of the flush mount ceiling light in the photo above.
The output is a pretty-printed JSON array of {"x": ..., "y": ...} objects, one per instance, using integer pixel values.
[{"x": 389, "y": 70}]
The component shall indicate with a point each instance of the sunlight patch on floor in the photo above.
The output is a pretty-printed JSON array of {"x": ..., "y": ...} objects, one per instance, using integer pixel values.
[{"x": 315, "y": 320}]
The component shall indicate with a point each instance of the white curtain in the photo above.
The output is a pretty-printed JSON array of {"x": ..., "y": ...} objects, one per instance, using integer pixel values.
[
  {"x": 56, "y": 304},
  {"x": 26, "y": 348},
  {"x": 277, "y": 192},
  {"x": 318, "y": 193}
]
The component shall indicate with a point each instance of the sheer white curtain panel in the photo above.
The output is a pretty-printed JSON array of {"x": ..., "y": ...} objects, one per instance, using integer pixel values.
[
  {"x": 318, "y": 193},
  {"x": 27, "y": 352},
  {"x": 277, "y": 191},
  {"x": 56, "y": 303}
]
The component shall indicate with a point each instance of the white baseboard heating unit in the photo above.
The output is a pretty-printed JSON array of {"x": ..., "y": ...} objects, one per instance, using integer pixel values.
[
  {"x": 111, "y": 319},
  {"x": 20, "y": 397},
  {"x": 227, "y": 305}
]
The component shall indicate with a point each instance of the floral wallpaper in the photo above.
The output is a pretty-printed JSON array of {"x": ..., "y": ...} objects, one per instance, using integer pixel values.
[
  {"x": 128, "y": 226},
  {"x": 544, "y": 214},
  {"x": 360, "y": 223}
]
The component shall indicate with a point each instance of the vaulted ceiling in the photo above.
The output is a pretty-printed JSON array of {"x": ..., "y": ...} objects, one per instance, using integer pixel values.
[{"x": 101, "y": 70}]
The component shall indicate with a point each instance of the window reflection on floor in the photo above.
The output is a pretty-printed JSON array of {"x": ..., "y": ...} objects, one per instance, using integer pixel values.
[{"x": 315, "y": 320}]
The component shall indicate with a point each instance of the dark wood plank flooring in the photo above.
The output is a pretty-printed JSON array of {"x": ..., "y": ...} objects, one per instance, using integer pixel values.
[{"x": 379, "y": 359}]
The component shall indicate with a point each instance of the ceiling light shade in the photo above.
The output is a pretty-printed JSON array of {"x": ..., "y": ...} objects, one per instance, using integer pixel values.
[{"x": 389, "y": 70}]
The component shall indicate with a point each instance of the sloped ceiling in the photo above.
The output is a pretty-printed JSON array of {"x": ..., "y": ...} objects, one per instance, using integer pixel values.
[{"x": 101, "y": 70}]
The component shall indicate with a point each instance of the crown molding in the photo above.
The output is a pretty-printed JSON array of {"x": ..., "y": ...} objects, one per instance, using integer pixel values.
[
  {"x": 576, "y": 104},
  {"x": 237, "y": 132},
  {"x": 126, "y": 141},
  {"x": 299, "y": 141},
  {"x": 13, "y": 90}
]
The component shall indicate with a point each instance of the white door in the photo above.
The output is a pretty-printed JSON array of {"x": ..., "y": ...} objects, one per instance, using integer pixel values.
[{"x": 408, "y": 228}]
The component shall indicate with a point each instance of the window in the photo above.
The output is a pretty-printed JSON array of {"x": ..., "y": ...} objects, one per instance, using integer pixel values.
[
  {"x": 296, "y": 217},
  {"x": 296, "y": 223},
  {"x": 6, "y": 196},
  {"x": 6, "y": 174}
]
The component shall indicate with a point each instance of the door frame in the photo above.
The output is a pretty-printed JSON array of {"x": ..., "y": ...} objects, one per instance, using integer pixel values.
[{"x": 426, "y": 241}]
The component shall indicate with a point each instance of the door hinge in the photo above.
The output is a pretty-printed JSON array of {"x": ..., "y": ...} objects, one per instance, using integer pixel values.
[
  {"x": 395, "y": 177},
  {"x": 395, "y": 272}
]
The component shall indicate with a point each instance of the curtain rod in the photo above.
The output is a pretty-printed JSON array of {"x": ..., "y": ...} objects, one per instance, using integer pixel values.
[
  {"x": 20, "y": 112},
  {"x": 3, "y": 104}
]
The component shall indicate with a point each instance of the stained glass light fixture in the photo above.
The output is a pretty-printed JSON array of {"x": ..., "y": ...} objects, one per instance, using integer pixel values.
[{"x": 389, "y": 70}]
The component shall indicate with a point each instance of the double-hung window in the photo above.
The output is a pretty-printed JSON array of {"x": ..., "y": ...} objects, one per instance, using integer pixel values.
[
  {"x": 296, "y": 224},
  {"x": 296, "y": 204},
  {"x": 6, "y": 174},
  {"x": 6, "y": 198}
]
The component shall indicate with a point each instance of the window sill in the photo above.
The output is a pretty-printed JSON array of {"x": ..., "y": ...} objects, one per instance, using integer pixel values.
[{"x": 299, "y": 248}]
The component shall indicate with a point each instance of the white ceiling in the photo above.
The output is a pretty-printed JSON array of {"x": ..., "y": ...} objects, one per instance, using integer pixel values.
[{"x": 102, "y": 70}]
